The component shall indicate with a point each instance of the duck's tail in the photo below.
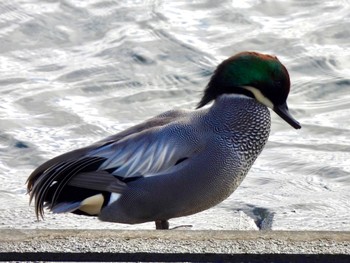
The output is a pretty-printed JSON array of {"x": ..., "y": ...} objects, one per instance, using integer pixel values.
[{"x": 73, "y": 185}]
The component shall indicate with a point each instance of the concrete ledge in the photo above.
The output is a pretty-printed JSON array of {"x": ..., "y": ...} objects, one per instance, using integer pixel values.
[{"x": 174, "y": 245}]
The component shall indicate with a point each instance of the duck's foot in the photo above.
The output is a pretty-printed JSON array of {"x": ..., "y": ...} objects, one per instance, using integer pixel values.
[{"x": 162, "y": 224}]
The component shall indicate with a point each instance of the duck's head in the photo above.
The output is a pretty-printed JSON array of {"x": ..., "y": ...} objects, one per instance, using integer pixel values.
[{"x": 259, "y": 76}]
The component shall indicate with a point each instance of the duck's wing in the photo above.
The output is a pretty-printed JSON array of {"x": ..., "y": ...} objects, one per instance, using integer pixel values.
[
  {"x": 146, "y": 153},
  {"x": 107, "y": 167},
  {"x": 157, "y": 121}
]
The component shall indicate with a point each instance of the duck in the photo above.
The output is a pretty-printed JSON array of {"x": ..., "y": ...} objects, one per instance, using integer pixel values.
[{"x": 178, "y": 163}]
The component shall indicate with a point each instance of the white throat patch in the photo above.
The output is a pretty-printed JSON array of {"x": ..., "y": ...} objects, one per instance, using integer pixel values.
[{"x": 259, "y": 96}]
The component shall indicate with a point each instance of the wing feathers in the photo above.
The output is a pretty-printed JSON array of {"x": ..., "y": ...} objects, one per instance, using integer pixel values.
[
  {"x": 98, "y": 180},
  {"x": 144, "y": 150},
  {"x": 65, "y": 207},
  {"x": 77, "y": 167},
  {"x": 51, "y": 182},
  {"x": 145, "y": 157}
]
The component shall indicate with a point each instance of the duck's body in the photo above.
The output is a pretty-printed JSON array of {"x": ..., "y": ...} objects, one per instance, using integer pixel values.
[
  {"x": 181, "y": 190},
  {"x": 176, "y": 164}
]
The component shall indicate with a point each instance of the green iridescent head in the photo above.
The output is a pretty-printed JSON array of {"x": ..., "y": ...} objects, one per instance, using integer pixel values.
[{"x": 260, "y": 76}]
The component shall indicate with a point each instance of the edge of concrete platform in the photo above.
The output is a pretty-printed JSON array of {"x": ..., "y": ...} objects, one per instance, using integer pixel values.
[{"x": 174, "y": 245}]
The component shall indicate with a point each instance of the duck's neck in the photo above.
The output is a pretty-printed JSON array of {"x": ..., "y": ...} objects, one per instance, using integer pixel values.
[
  {"x": 240, "y": 113},
  {"x": 212, "y": 93}
]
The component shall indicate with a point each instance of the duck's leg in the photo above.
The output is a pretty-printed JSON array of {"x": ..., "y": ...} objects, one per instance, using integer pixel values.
[{"x": 162, "y": 224}]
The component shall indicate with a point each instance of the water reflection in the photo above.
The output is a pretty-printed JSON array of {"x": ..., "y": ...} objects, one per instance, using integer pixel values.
[{"x": 73, "y": 72}]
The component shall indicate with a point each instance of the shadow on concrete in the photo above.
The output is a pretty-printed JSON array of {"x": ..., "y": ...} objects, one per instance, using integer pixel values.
[{"x": 173, "y": 257}]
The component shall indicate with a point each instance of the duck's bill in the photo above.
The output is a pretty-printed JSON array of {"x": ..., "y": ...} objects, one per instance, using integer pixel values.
[{"x": 282, "y": 111}]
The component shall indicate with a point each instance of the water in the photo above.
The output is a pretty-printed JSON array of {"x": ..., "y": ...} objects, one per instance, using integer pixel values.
[{"x": 73, "y": 72}]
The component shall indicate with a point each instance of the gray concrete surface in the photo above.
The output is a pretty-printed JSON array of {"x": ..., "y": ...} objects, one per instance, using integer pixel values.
[{"x": 173, "y": 245}]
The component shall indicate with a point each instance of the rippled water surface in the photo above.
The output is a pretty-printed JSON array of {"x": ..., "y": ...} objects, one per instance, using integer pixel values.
[{"x": 73, "y": 72}]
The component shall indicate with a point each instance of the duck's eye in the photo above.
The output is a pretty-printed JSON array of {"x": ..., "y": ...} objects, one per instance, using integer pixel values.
[{"x": 277, "y": 83}]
